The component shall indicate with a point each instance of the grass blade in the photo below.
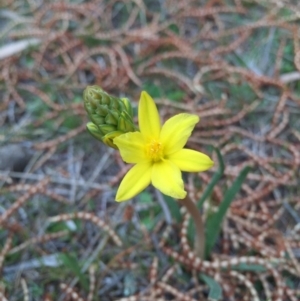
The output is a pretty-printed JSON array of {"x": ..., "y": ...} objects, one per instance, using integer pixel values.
[
  {"x": 249, "y": 267},
  {"x": 215, "y": 290},
  {"x": 71, "y": 262},
  {"x": 174, "y": 208},
  {"x": 217, "y": 176},
  {"x": 214, "y": 222}
]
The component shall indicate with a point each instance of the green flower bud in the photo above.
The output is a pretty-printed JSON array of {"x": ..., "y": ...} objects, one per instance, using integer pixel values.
[
  {"x": 124, "y": 123},
  {"x": 107, "y": 128},
  {"x": 94, "y": 130},
  {"x": 110, "y": 116},
  {"x": 109, "y": 138},
  {"x": 128, "y": 107}
]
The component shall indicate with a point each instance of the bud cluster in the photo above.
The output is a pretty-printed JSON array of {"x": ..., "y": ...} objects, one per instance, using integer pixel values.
[{"x": 110, "y": 116}]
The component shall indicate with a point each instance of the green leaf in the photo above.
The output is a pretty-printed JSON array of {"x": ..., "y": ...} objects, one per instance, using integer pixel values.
[
  {"x": 145, "y": 198},
  {"x": 174, "y": 208},
  {"x": 215, "y": 290},
  {"x": 36, "y": 290},
  {"x": 174, "y": 28},
  {"x": 90, "y": 41},
  {"x": 77, "y": 99},
  {"x": 217, "y": 176},
  {"x": 149, "y": 216},
  {"x": 214, "y": 222},
  {"x": 71, "y": 122},
  {"x": 176, "y": 95},
  {"x": 36, "y": 107},
  {"x": 56, "y": 227},
  {"x": 215, "y": 90},
  {"x": 242, "y": 92},
  {"x": 71, "y": 262},
  {"x": 249, "y": 267},
  {"x": 149, "y": 222},
  {"x": 154, "y": 90}
]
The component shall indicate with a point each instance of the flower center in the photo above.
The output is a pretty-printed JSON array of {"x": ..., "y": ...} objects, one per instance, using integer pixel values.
[{"x": 154, "y": 150}]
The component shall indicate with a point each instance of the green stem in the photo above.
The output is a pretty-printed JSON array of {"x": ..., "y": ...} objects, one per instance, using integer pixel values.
[{"x": 199, "y": 226}]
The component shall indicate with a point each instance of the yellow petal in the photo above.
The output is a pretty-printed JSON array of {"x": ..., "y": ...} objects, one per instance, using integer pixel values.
[
  {"x": 132, "y": 147},
  {"x": 176, "y": 131},
  {"x": 149, "y": 121},
  {"x": 136, "y": 180},
  {"x": 166, "y": 177},
  {"x": 190, "y": 160}
]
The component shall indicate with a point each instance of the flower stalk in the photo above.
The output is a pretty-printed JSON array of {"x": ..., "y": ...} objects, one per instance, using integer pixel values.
[{"x": 199, "y": 244}]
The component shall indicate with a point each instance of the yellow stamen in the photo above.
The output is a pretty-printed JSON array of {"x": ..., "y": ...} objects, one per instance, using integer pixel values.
[{"x": 154, "y": 150}]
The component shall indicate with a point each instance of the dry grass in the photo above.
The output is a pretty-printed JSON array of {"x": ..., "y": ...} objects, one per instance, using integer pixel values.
[{"x": 235, "y": 63}]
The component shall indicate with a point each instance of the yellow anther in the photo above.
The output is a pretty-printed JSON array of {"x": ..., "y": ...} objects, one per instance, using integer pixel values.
[{"x": 154, "y": 150}]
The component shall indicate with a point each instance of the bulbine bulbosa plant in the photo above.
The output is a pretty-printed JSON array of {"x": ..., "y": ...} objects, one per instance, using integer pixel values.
[{"x": 157, "y": 151}]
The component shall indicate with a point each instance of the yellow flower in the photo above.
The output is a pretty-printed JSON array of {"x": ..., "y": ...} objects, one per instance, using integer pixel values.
[{"x": 158, "y": 153}]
